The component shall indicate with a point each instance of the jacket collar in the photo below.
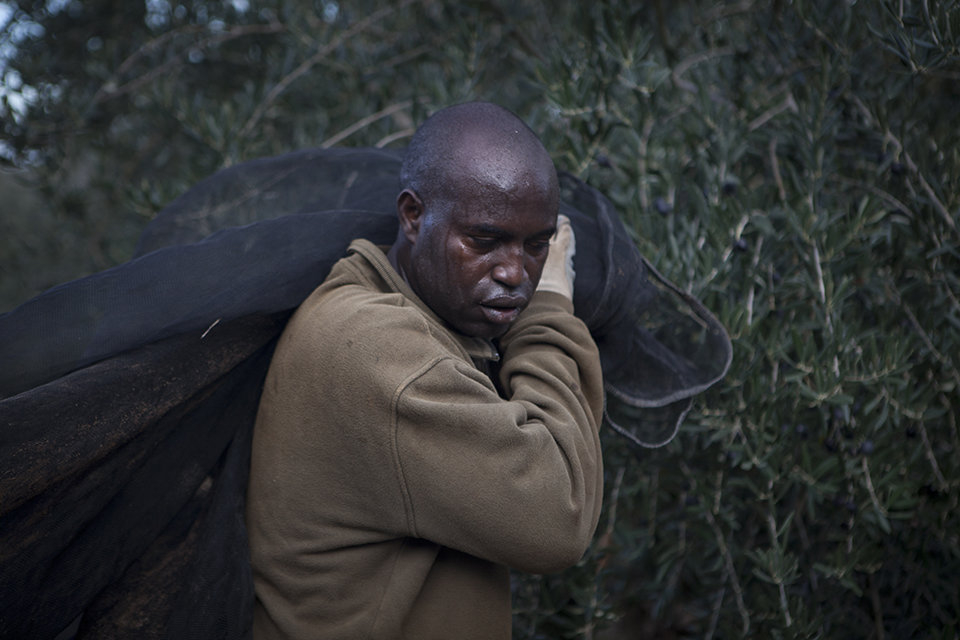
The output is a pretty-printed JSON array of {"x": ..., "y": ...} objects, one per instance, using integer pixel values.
[{"x": 376, "y": 258}]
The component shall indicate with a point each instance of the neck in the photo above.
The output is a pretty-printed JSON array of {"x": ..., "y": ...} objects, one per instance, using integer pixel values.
[{"x": 394, "y": 257}]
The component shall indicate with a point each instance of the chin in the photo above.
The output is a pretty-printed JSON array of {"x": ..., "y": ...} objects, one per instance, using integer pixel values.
[
  {"x": 495, "y": 333},
  {"x": 486, "y": 331}
]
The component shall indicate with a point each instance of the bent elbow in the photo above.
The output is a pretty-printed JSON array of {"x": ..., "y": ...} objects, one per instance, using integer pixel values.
[
  {"x": 560, "y": 536},
  {"x": 556, "y": 551}
]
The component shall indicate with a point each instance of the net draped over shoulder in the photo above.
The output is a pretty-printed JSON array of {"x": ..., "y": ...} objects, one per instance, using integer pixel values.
[{"x": 129, "y": 396}]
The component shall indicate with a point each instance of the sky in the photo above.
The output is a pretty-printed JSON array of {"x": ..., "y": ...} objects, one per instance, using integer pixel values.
[{"x": 10, "y": 83}]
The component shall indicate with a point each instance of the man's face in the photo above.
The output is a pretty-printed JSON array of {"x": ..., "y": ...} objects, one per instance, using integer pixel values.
[{"x": 479, "y": 252}]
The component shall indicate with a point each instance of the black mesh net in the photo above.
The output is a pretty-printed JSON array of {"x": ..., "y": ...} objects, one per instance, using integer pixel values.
[{"x": 130, "y": 394}]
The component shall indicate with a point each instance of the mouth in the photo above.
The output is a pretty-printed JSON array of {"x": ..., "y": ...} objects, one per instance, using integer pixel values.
[{"x": 504, "y": 309}]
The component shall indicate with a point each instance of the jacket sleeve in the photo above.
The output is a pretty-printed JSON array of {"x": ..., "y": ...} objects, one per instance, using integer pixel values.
[{"x": 517, "y": 481}]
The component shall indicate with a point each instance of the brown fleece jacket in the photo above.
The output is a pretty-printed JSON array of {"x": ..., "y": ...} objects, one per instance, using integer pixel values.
[{"x": 392, "y": 485}]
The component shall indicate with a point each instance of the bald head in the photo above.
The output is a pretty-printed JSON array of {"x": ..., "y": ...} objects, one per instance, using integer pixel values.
[
  {"x": 477, "y": 207},
  {"x": 479, "y": 142}
]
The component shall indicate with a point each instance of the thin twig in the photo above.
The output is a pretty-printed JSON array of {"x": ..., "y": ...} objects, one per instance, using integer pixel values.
[
  {"x": 614, "y": 499},
  {"x": 931, "y": 24},
  {"x": 850, "y": 518},
  {"x": 873, "y": 494},
  {"x": 652, "y": 510},
  {"x": 406, "y": 56},
  {"x": 715, "y": 615},
  {"x": 703, "y": 56},
  {"x": 393, "y": 137},
  {"x": 110, "y": 90},
  {"x": 775, "y": 167},
  {"x": 605, "y": 540},
  {"x": 727, "y": 253},
  {"x": 784, "y": 605},
  {"x": 931, "y": 457},
  {"x": 752, "y": 292},
  {"x": 947, "y": 363},
  {"x": 938, "y": 205},
  {"x": 682, "y": 67},
  {"x": 363, "y": 122},
  {"x": 911, "y": 165},
  {"x": 156, "y": 43},
  {"x": 643, "y": 143},
  {"x": 603, "y": 545},
  {"x": 788, "y": 104},
  {"x": 724, "y": 10},
  {"x": 947, "y": 290},
  {"x": 821, "y": 289},
  {"x": 952, "y": 419},
  {"x": 313, "y": 60},
  {"x": 730, "y": 571},
  {"x": 883, "y": 195},
  {"x": 215, "y": 323}
]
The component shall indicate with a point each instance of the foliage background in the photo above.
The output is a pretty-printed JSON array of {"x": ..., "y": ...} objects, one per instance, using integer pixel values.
[{"x": 793, "y": 163}]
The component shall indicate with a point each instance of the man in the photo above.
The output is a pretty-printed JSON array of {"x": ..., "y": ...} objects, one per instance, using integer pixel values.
[{"x": 430, "y": 416}]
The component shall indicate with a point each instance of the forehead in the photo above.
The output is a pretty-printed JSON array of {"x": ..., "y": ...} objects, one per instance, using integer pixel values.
[
  {"x": 523, "y": 206},
  {"x": 489, "y": 180},
  {"x": 506, "y": 160}
]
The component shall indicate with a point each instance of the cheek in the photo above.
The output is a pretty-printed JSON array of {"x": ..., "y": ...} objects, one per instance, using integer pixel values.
[
  {"x": 534, "y": 267},
  {"x": 466, "y": 273},
  {"x": 464, "y": 267}
]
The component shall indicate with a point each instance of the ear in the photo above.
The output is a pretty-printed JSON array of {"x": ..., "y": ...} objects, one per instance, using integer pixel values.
[{"x": 410, "y": 212}]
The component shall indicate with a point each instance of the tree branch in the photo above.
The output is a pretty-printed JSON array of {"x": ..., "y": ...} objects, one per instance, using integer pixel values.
[{"x": 313, "y": 60}]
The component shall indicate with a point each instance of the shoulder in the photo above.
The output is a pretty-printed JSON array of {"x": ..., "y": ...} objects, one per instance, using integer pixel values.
[
  {"x": 350, "y": 332},
  {"x": 353, "y": 311}
]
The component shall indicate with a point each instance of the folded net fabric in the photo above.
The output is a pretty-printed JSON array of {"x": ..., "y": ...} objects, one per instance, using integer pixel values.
[{"x": 129, "y": 395}]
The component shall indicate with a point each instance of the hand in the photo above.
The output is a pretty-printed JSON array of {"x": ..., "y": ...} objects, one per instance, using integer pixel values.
[{"x": 558, "y": 274}]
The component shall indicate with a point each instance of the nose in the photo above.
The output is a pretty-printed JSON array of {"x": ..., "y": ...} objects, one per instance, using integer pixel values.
[{"x": 509, "y": 268}]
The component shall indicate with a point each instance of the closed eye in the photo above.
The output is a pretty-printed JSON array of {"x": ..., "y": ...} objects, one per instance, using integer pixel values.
[
  {"x": 484, "y": 242},
  {"x": 540, "y": 242}
]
